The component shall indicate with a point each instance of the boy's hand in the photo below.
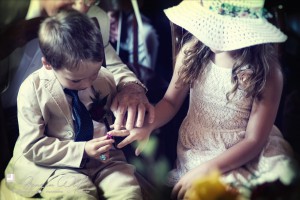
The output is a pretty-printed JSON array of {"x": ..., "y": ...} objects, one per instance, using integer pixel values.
[
  {"x": 97, "y": 146},
  {"x": 130, "y": 107}
]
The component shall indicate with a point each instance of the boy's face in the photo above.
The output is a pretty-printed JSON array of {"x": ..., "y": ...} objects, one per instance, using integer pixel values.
[{"x": 78, "y": 79}]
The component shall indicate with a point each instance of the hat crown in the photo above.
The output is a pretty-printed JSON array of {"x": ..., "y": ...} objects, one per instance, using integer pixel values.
[
  {"x": 226, "y": 25},
  {"x": 237, "y": 3},
  {"x": 236, "y": 8}
]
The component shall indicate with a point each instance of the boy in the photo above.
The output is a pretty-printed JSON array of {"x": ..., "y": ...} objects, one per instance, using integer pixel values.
[
  {"x": 51, "y": 156},
  {"x": 131, "y": 103}
]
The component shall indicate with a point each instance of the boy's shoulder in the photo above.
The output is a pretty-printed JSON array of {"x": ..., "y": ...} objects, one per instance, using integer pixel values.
[
  {"x": 39, "y": 76},
  {"x": 40, "y": 73}
]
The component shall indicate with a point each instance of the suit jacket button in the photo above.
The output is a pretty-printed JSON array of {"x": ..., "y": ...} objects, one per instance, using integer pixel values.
[{"x": 70, "y": 134}]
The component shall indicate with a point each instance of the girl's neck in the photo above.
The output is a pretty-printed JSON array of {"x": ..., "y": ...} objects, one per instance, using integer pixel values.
[{"x": 223, "y": 59}]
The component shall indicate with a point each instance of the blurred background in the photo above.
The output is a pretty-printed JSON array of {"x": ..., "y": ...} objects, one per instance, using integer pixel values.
[{"x": 156, "y": 67}]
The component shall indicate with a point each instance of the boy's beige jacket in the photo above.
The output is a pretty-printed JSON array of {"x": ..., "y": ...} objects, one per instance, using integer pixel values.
[{"x": 46, "y": 131}]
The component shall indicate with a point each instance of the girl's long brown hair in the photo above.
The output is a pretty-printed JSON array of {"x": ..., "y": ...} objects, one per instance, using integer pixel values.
[{"x": 258, "y": 58}]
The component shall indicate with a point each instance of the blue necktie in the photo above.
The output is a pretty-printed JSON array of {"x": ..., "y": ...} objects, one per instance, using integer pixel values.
[{"x": 83, "y": 122}]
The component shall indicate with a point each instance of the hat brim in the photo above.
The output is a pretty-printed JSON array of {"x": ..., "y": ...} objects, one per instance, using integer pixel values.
[{"x": 221, "y": 32}]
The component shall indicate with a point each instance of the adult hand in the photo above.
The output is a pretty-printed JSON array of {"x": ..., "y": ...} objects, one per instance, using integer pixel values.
[{"x": 130, "y": 106}]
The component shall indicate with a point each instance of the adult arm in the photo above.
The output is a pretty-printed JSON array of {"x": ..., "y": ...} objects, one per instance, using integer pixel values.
[
  {"x": 131, "y": 103},
  {"x": 165, "y": 110}
]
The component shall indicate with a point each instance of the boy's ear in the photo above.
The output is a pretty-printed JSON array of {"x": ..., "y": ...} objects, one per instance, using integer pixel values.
[{"x": 46, "y": 64}]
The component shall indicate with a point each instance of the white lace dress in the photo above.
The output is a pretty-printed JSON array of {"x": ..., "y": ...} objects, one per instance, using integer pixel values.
[{"x": 213, "y": 125}]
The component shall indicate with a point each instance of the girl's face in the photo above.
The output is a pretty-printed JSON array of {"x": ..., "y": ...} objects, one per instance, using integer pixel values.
[{"x": 81, "y": 78}]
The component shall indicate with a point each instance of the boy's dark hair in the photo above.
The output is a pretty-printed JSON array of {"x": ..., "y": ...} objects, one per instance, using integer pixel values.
[{"x": 69, "y": 38}]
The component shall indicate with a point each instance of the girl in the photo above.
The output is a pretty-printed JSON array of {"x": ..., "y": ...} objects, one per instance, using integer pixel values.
[{"x": 230, "y": 69}]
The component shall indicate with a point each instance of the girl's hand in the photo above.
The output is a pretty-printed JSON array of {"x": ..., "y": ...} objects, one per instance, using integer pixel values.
[
  {"x": 97, "y": 146},
  {"x": 187, "y": 180},
  {"x": 141, "y": 135}
]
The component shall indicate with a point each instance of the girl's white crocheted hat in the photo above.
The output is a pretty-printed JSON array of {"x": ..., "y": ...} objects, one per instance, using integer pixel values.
[{"x": 226, "y": 24}]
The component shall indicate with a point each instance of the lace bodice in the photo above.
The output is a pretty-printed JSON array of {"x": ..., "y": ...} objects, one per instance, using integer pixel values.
[{"x": 210, "y": 110}]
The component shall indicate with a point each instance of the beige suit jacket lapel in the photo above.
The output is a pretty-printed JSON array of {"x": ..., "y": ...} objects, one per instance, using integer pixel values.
[{"x": 53, "y": 86}]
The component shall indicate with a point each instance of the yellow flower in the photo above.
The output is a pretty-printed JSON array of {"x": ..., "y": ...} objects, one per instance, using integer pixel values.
[{"x": 211, "y": 187}]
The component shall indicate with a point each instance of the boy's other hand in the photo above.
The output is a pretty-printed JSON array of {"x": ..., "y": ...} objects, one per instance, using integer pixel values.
[{"x": 97, "y": 146}]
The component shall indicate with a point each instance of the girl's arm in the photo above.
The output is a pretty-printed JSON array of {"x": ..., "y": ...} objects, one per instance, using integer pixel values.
[{"x": 174, "y": 97}]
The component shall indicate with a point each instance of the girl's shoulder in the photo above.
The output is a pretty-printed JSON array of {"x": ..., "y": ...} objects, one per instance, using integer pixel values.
[
  {"x": 186, "y": 44},
  {"x": 275, "y": 72},
  {"x": 274, "y": 81}
]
